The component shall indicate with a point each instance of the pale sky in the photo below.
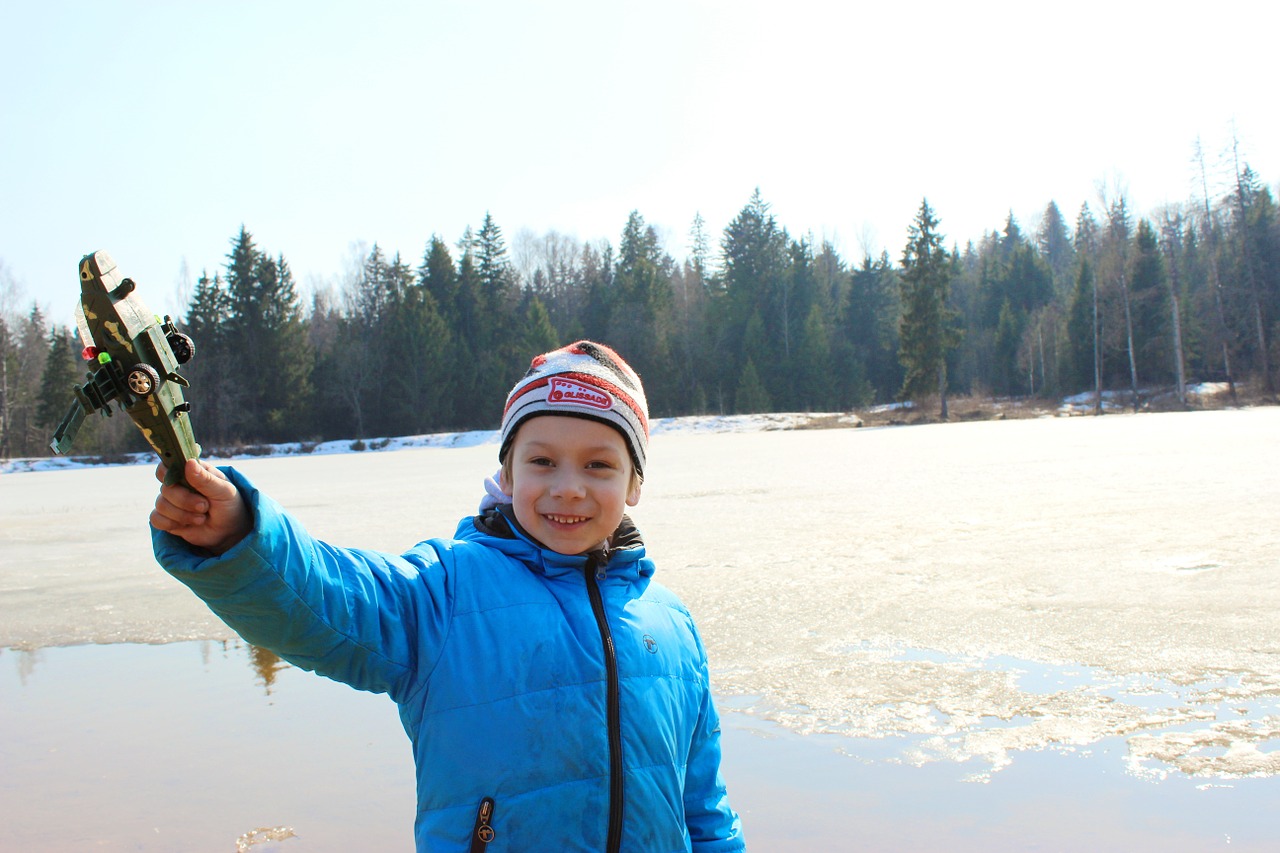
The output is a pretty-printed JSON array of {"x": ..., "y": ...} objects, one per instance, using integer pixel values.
[{"x": 155, "y": 129}]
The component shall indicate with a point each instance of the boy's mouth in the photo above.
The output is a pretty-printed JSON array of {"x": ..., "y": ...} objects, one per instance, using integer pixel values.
[{"x": 565, "y": 519}]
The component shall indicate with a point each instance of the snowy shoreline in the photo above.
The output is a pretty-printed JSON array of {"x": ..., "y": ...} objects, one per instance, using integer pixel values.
[{"x": 1078, "y": 404}]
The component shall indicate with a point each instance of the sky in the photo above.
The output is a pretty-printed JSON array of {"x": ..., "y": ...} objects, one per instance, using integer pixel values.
[{"x": 155, "y": 130}]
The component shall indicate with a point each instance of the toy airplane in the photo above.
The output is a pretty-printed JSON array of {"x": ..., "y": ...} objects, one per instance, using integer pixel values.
[{"x": 133, "y": 361}]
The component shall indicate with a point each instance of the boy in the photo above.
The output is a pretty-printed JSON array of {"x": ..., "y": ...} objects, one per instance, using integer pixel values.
[{"x": 556, "y": 697}]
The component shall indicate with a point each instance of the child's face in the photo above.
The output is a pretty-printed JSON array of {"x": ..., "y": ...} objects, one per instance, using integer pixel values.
[{"x": 570, "y": 481}]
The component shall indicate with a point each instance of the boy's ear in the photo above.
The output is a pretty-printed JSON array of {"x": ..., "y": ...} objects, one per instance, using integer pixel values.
[
  {"x": 633, "y": 495},
  {"x": 504, "y": 482}
]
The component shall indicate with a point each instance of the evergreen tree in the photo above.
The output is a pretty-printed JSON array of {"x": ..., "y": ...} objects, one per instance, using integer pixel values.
[
  {"x": 641, "y": 321},
  {"x": 419, "y": 396},
  {"x": 497, "y": 278},
  {"x": 1115, "y": 302},
  {"x": 1053, "y": 241},
  {"x": 283, "y": 391},
  {"x": 1256, "y": 229},
  {"x": 539, "y": 332},
  {"x": 213, "y": 371},
  {"x": 1081, "y": 332},
  {"x": 471, "y": 330},
  {"x": 926, "y": 330},
  {"x": 269, "y": 387},
  {"x": 754, "y": 250},
  {"x": 751, "y": 397},
  {"x": 812, "y": 373},
  {"x": 330, "y": 418},
  {"x": 61, "y": 373},
  {"x": 500, "y": 359},
  {"x": 869, "y": 320},
  {"x": 438, "y": 277},
  {"x": 29, "y": 352},
  {"x": 7, "y": 358},
  {"x": 1149, "y": 291}
]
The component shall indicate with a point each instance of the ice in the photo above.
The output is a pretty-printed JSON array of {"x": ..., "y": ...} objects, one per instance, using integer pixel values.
[{"x": 969, "y": 592}]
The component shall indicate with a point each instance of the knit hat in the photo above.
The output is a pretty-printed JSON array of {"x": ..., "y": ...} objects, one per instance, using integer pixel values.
[{"x": 582, "y": 380}]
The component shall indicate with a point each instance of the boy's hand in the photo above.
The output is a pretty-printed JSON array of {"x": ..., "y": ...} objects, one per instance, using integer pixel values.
[{"x": 210, "y": 515}]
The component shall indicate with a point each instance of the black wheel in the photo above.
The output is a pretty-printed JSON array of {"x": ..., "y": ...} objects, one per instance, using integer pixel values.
[
  {"x": 142, "y": 379},
  {"x": 183, "y": 347}
]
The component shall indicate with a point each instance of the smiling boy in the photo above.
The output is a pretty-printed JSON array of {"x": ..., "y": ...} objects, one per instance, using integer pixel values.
[{"x": 556, "y": 697}]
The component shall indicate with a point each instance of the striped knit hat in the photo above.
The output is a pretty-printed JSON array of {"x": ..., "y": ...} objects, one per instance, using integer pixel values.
[{"x": 583, "y": 380}]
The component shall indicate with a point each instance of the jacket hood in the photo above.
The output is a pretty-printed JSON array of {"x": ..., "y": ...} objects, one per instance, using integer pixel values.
[{"x": 497, "y": 528}]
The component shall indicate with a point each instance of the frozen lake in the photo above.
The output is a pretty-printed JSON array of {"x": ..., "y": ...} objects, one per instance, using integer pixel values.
[{"x": 931, "y": 606}]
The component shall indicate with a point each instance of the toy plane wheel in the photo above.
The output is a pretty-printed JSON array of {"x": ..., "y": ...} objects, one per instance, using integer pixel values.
[
  {"x": 182, "y": 345},
  {"x": 142, "y": 379}
]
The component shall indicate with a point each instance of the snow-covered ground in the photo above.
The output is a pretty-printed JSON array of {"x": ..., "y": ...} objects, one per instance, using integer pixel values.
[
  {"x": 1078, "y": 404},
  {"x": 659, "y": 426},
  {"x": 975, "y": 595}
]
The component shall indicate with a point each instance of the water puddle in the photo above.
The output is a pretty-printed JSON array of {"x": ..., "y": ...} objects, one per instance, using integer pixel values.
[{"x": 103, "y": 747}]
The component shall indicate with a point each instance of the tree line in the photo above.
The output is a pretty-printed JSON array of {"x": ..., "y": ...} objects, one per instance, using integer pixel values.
[{"x": 765, "y": 321}]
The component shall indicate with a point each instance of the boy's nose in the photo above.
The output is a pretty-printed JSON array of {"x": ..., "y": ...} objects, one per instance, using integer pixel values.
[{"x": 567, "y": 485}]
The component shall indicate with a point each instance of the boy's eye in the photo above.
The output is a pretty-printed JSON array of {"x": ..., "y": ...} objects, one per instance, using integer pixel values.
[{"x": 540, "y": 460}]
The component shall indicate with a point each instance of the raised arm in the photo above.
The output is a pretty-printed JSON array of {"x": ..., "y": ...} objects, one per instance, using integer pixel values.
[{"x": 365, "y": 618}]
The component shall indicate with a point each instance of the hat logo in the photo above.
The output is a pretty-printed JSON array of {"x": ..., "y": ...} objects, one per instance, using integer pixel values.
[{"x": 566, "y": 392}]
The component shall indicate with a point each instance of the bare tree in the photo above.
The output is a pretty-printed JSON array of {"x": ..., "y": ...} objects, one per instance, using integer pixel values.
[
  {"x": 1210, "y": 228},
  {"x": 1171, "y": 242}
]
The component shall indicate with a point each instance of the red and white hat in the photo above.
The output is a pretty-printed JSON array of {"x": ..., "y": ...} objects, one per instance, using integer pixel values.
[{"x": 582, "y": 380}]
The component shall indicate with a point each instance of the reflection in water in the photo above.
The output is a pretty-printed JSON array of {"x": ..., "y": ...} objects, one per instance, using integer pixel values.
[
  {"x": 27, "y": 660},
  {"x": 267, "y": 664},
  {"x": 166, "y": 717}
]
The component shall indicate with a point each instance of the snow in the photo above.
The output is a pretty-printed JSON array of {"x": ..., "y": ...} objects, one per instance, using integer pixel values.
[
  {"x": 968, "y": 592},
  {"x": 659, "y": 426}
]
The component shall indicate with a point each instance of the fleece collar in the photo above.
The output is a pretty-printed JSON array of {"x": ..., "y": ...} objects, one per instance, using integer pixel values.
[{"x": 497, "y": 527}]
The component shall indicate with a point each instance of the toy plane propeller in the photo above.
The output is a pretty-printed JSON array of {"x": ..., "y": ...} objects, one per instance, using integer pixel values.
[{"x": 133, "y": 360}]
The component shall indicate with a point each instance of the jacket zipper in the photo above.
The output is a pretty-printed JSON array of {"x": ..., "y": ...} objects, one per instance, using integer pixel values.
[
  {"x": 596, "y": 568},
  {"x": 483, "y": 832}
]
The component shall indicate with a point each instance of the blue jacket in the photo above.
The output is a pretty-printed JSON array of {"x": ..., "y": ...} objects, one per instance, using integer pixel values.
[{"x": 554, "y": 702}]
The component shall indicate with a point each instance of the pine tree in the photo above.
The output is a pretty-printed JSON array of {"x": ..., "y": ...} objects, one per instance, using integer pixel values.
[
  {"x": 926, "y": 330},
  {"x": 284, "y": 391},
  {"x": 62, "y": 371},
  {"x": 29, "y": 352},
  {"x": 418, "y": 344},
  {"x": 212, "y": 372},
  {"x": 269, "y": 386},
  {"x": 1149, "y": 293},
  {"x": 812, "y": 371},
  {"x": 869, "y": 323},
  {"x": 751, "y": 397},
  {"x": 641, "y": 321},
  {"x": 1053, "y": 241},
  {"x": 754, "y": 250},
  {"x": 7, "y": 353}
]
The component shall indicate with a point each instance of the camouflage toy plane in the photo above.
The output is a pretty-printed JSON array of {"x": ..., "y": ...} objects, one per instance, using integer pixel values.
[{"x": 133, "y": 360}]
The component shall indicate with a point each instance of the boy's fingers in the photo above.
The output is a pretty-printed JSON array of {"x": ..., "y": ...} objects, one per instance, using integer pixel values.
[{"x": 209, "y": 481}]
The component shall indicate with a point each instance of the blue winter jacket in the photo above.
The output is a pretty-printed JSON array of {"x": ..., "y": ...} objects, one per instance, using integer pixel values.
[{"x": 554, "y": 702}]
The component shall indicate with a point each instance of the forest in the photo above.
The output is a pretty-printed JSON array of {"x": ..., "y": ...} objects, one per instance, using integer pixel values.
[{"x": 763, "y": 320}]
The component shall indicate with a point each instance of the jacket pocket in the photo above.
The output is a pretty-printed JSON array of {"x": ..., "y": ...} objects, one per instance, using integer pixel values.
[{"x": 483, "y": 832}]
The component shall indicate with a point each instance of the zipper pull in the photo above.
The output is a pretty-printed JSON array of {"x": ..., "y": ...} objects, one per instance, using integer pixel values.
[
  {"x": 483, "y": 832},
  {"x": 600, "y": 559}
]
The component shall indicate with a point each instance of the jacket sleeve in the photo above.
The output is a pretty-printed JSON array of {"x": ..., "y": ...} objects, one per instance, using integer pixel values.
[
  {"x": 714, "y": 827},
  {"x": 365, "y": 618}
]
